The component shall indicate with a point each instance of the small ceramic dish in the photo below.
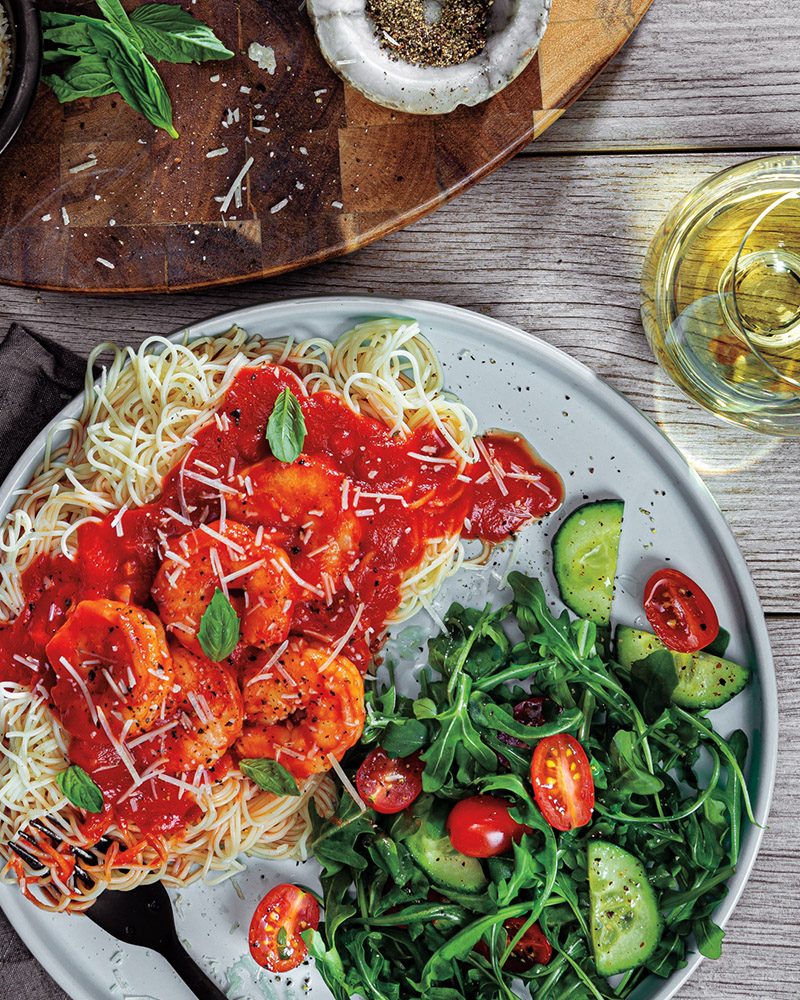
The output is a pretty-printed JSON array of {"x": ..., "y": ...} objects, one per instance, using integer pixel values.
[
  {"x": 349, "y": 42},
  {"x": 25, "y": 35}
]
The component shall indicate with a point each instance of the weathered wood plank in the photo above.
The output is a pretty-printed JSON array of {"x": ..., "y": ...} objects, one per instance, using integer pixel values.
[
  {"x": 557, "y": 252},
  {"x": 695, "y": 74},
  {"x": 761, "y": 954}
]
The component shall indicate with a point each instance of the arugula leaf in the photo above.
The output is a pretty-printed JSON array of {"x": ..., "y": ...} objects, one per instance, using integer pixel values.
[
  {"x": 390, "y": 723},
  {"x": 456, "y": 731},
  {"x": 501, "y": 719},
  {"x": 633, "y": 778},
  {"x": 404, "y": 737},
  {"x": 168, "y": 33},
  {"x": 394, "y": 858},
  {"x": 80, "y": 789},
  {"x": 709, "y": 937},
  {"x": 269, "y": 775},
  {"x": 219, "y": 628},
  {"x": 286, "y": 427},
  {"x": 653, "y": 679},
  {"x": 334, "y": 840},
  {"x": 720, "y": 644},
  {"x": 328, "y": 962},
  {"x": 386, "y": 937}
]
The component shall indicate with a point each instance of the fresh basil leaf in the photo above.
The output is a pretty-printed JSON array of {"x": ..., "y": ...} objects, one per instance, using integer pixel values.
[
  {"x": 88, "y": 77},
  {"x": 219, "y": 628},
  {"x": 52, "y": 19},
  {"x": 71, "y": 37},
  {"x": 133, "y": 75},
  {"x": 286, "y": 427},
  {"x": 114, "y": 12},
  {"x": 168, "y": 33},
  {"x": 79, "y": 788},
  {"x": 269, "y": 775}
]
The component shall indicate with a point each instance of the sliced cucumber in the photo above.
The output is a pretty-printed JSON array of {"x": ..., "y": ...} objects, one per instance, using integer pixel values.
[
  {"x": 704, "y": 681},
  {"x": 626, "y": 922},
  {"x": 445, "y": 866},
  {"x": 585, "y": 551}
]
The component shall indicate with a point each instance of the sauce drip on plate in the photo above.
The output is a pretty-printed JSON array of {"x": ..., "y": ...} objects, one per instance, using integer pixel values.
[{"x": 396, "y": 495}]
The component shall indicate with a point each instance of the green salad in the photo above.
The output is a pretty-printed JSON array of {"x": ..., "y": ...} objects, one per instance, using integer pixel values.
[{"x": 553, "y": 809}]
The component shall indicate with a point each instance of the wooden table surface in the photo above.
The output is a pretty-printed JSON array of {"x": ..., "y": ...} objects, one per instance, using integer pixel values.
[{"x": 554, "y": 242}]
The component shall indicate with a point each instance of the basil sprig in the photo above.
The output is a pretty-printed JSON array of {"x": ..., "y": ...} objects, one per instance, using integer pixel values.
[
  {"x": 269, "y": 775},
  {"x": 79, "y": 788},
  {"x": 286, "y": 427},
  {"x": 169, "y": 34},
  {"x": 109, "y": 55},
  {"x": 219, "y": 628}
]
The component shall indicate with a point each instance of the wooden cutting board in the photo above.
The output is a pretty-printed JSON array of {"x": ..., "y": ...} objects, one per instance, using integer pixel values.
[{"x": 331, "y": 172}]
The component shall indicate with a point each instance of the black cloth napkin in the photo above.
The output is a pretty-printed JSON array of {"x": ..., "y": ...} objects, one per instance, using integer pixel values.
[{"x": 37, "y": 378}]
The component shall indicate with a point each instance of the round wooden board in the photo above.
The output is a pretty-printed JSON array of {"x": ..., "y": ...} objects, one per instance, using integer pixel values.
[{"x": 331, "y": 171}]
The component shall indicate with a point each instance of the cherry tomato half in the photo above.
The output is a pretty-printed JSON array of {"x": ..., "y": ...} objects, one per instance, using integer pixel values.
[
  {"x": 389, "y": 784},
  {"x": 280, "y": 917},
  {"x": 681, "y": 614},
  {"x": 533, "y": 948},
  {"x": 562, "y": 782},
  {"x": 481, "y": 826}
]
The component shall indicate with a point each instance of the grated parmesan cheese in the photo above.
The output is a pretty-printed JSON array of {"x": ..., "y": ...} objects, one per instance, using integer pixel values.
[
  {"x": 346, "y": 782},
  {"x": 263, "y": 56}
]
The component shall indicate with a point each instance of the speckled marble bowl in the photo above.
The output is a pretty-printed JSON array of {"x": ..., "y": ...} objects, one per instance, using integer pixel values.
[{"x": 347, "y": 40}]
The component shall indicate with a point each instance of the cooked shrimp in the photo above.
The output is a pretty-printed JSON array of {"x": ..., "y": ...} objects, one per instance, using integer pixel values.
[
  {"x": 299, "y": 707},
  {"x": 304, "y": 501},
  {"x": 110, "y": 658},
  {"x": 208, "y": 703},
  {"x": 230, "y": 556}
]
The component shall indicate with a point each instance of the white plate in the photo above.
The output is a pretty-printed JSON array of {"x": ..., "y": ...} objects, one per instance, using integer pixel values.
[{"x": 602, "y": 446}]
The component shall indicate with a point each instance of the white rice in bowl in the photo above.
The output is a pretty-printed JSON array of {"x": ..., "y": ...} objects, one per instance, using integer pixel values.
[{"x": 5, "y": 53}]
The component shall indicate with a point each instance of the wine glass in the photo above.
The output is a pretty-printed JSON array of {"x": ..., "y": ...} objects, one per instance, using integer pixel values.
[{"x": 721, "y": 294}]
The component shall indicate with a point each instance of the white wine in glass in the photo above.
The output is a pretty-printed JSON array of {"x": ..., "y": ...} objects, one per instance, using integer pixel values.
[{"x": 721, "y": 294}]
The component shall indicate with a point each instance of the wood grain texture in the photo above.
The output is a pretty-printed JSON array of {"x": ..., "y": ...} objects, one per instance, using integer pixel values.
[
  {"x": 696, "y": 74},
  {"x": 331, "y": 171},
  {"x": 558, "y": 253},
  {"x": 554, "y": 243}
]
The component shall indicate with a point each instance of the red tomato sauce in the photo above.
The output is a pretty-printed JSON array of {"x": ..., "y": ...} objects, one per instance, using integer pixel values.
[{"x": 409, "y": 488}]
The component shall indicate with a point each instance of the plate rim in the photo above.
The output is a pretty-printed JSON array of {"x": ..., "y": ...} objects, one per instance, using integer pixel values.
[{"x": 496, "y": 330}]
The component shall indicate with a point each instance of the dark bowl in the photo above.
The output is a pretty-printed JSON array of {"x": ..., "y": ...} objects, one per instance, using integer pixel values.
[{"x": 26, "y": 42}]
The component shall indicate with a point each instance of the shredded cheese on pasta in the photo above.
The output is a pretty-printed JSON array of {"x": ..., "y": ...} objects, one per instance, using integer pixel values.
[{"x": 136, "y": 424}]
